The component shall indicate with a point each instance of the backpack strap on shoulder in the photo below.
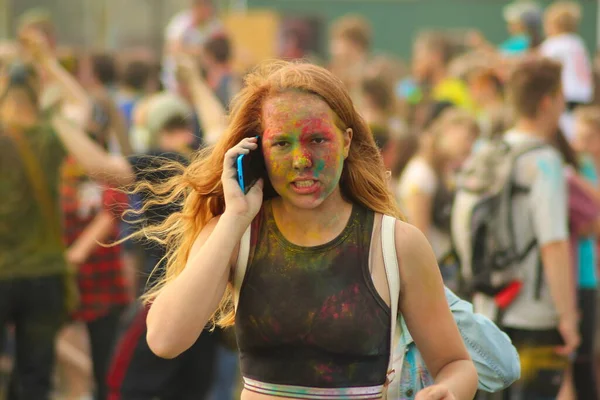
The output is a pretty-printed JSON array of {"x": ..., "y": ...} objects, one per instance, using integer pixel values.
[
  {"x": 390, "y": 261},
  {"x": 241, "y": 265}
]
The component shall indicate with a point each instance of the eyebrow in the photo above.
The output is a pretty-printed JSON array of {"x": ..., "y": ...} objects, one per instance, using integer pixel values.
[{"x": 277, "y": 135}]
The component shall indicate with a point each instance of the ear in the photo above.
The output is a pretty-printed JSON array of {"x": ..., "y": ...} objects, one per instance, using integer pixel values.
[
  {"x": 348, "y": 133},
  {"x": 545, "y": 104}
]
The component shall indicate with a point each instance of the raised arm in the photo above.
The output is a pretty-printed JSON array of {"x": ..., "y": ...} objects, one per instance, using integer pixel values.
[
  {"x": 97, "y": 163},
  {"x": 119, "y": 129},
  {"x": 114, "y": 170},
  {"x": 211, "y": 112},
  {"x": 37, "y": 47},
  {"x": 428, "y": 318}
]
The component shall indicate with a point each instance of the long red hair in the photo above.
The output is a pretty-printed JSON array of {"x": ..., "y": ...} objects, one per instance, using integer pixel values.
[{"x": 198, "y": 187}]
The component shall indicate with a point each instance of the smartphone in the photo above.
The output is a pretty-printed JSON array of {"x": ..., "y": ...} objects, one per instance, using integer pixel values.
[{"x": 250, "y": 168}]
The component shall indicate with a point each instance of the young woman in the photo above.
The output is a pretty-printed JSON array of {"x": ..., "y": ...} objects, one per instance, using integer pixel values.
[
  {"x": 313, "y": 316},
  {"x": 425, "y": 187},
  {"x": 314, "y": 313}
]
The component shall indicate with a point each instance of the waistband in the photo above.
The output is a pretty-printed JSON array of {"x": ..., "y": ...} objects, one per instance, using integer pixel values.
[{"x": 304, "y": 392}]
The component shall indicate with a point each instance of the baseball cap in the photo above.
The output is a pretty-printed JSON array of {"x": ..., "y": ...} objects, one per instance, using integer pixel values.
[{"x": 163, "y": 108}]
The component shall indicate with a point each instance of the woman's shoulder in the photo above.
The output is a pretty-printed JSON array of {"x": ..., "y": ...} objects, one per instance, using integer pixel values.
[
  {"x": 407, "y": 236},
  {"x": 412, "y": 246}
]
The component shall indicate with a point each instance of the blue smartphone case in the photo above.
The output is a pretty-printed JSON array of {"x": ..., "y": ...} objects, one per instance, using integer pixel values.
[{"x": 240, "y": 172}]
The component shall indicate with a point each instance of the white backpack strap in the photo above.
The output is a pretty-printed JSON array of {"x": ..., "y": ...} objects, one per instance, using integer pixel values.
[
  {"x": 390, "y": 261},
  {"x": 241, "y": 265}
]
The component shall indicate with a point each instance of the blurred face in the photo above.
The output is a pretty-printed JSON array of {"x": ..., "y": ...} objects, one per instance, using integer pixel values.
[
  {"x": 304, "y": 149},
  {"x": 423, "y": 62},
  {"x": 341, "y": 50},
  {"x": 202, "y": 12},
  {"x": 549, "y": 25},
  {"x": 456, "y": 143},
  {"x": 514, "y": 27},
  {"x": 587, "y": 139},
  {"x": 179, "y": 140},
  {"x": 481, "y": 90}
]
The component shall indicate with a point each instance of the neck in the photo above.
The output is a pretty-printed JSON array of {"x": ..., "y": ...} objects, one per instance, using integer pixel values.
[
  {"x": 493, "y": 103},
  {"x": 557, "y": 33},
  {"x": 426, "y": 151},
  {"x": 534, "y": 127},
  {"x": 99, "y": 88},
  {"x": 427, "y": 155},
  {"x": 128, "y": 91},
  {"x": 314, "y": 226}
]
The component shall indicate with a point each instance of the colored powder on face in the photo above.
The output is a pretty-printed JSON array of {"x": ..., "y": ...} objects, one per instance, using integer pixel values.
[
  {"x": 319, "y": 167},
  {"x": 301, "y": 138}
]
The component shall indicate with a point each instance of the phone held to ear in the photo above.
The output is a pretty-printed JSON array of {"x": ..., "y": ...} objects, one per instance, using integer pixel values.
[{"x": 250, "y": 168}]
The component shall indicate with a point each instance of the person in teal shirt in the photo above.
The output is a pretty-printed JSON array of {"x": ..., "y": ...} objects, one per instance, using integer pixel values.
[
  {"x": 587, "y": 285},
  {"x": 524, "y": 23}
]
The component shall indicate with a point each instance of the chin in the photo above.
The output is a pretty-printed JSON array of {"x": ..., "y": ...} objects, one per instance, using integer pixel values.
[{"x": 303, "y": 202}]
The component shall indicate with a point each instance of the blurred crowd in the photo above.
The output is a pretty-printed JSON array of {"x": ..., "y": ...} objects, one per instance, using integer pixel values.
[{"x": 71, "y": 321}]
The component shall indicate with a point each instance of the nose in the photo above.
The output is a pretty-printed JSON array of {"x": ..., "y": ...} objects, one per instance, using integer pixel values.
[{"x": 302, "y": 159}]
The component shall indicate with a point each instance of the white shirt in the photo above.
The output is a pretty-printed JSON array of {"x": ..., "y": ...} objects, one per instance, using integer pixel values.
[
  {"x": 419, "y": 177},
  {"x": 570, "y": 51},
  {"x": 182, "y": 28}
]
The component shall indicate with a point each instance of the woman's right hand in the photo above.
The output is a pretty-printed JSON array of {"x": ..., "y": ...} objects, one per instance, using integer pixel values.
[{"x": 237, "y": 204}]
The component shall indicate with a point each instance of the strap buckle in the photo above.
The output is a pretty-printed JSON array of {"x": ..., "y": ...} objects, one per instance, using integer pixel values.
[{"x": 391, "y": 375}]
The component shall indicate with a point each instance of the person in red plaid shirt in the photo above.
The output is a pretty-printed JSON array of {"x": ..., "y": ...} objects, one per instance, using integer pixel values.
[{"x": 91, "y": 215}]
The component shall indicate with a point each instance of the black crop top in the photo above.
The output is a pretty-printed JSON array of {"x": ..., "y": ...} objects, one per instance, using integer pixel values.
[{"x": 311, "y": 316}]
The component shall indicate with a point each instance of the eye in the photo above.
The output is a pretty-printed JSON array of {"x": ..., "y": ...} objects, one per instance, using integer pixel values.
[
  {"x": 280, "y": 143},
  {"x": 318, "y": 140}
]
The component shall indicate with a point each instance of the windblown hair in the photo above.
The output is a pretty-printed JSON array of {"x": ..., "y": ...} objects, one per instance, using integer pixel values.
[{"x": 198, "y": 188}]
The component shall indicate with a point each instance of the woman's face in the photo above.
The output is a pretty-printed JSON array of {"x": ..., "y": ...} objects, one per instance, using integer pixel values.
[
  {"x": 456, "y": 143},
  {"x": 303, "y": 147},
  {"x": 481, "y": 89},
  {"x": 587, "y": 139},
  {"x": 424, "y": 60}
]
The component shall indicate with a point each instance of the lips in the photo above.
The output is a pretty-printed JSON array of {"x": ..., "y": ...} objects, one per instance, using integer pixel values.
[
  {"x": 304, "y": 183},
  {"x": 305, "y": 186}
]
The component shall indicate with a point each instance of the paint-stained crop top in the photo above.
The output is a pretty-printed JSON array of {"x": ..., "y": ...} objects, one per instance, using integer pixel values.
[{"x": 311, "y": 316}]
